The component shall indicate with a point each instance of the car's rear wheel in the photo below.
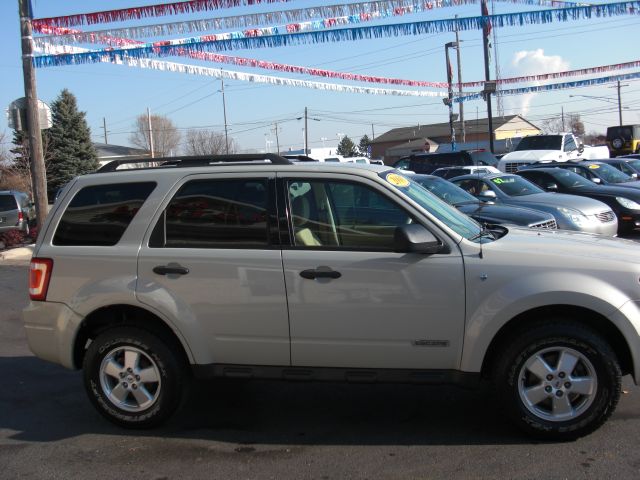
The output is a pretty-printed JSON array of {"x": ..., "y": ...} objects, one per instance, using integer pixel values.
[
  {"x": 558, "y": 380},
  {"x": 133, "y": 378}
]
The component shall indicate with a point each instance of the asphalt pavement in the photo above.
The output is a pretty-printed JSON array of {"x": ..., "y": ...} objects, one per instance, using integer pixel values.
[{"x": 278, "y": 430}]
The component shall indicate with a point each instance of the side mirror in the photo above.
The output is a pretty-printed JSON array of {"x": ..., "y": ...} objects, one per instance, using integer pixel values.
[
  {"x": 596, "y": 180},
  {"x": 487, "y": 196},
  {"x": 414, "y": 238},
  {"x": 551, "y": 187},
  {"x": 581, "y": 148}
]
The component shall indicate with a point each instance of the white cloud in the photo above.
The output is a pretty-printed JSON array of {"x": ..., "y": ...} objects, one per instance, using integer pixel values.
[{"x": 532, "y": 62}]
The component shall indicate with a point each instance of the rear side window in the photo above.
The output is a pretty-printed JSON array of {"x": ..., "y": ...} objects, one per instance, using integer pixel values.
[
  {"x": 100, "y": 214},
  {"x": 8, "y": 202},
  {"x": 215, "y": 214}
]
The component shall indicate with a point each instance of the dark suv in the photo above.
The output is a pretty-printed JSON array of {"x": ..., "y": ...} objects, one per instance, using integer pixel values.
[
  {"x": 16, "y": 211},
  {"x": 428, "y": 162}
]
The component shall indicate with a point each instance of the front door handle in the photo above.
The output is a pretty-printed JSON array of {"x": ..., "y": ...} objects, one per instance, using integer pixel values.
[
  {"x": 171, "y": 269},
  {"x": 320, "y": 272}
]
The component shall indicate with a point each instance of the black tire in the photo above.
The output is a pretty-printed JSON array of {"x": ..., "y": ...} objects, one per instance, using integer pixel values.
[
  {"x": 530, "y": 400},
  {"x": 116, "y": 392}
]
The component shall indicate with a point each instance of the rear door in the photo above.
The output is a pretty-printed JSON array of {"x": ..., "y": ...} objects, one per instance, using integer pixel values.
[
  {"x": 353, "y": 301},
  {"x": 212, "y": 265}
]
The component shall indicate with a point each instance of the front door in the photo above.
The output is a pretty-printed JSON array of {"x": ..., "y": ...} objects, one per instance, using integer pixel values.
[{"x": 353, "y": 302}]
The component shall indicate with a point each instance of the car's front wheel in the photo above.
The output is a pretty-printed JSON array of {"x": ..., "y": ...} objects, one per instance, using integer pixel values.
[
  {"x": 133, "y": 378},
  {"x": 558, "y": 380}
]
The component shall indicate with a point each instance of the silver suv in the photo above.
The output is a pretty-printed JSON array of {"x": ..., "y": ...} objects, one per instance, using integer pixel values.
[
  {"x": 254, "y": 267},
  {"x": 16, "y": 211}
]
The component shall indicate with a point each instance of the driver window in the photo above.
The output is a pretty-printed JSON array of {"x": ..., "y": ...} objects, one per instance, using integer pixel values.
[
  {"x": 343, "y": 215},
  {"x": 570, "y": 145}
]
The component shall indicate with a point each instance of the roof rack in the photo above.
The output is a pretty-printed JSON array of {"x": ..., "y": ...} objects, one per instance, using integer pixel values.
[{"x": 195, "y": 161}]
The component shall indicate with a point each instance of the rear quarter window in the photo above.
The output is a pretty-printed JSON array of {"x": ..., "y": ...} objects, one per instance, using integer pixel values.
[
  {"x": 99, "y": 215},
  {"x": 8, "y": 202}
]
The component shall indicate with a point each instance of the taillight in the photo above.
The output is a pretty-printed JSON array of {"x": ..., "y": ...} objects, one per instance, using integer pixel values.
[
  {"x": 20, "y": 218},
  {"x": 39, "y": 276}
]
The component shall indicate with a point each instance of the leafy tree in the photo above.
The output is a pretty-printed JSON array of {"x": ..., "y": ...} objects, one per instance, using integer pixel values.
[
  {"x": 363, "y": 146},
  {"x": 203, "y": 142},
  {"x": 18, "y": 163},
  {"x": 346, "y": 147},
  {"x": 69, "y": 143},
  {"x": 166, "y": 136}
]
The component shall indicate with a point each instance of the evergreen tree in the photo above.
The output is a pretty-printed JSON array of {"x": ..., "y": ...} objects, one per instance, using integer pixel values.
[
  {"x": 346, "y": 147},
  {"x": 363, "y": 146},
  {"x": 70, "y": 147}
]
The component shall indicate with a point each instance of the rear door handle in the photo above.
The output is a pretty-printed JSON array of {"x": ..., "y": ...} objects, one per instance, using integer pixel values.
[
  {"x": 320, "y": 272},
  {"x": 171, "y": 269}
]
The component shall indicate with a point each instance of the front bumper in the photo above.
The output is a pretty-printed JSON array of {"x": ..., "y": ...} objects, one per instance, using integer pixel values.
[{"x": 51, "y": 331}]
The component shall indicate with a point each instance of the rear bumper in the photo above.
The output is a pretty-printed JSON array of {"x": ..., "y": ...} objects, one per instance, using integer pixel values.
[{"x": 51, "y": 331}]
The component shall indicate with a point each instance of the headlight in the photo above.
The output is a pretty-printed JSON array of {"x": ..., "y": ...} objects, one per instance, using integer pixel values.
[
  {"x": 574, "y": 216},
  {"x": 626, "y": 203}
]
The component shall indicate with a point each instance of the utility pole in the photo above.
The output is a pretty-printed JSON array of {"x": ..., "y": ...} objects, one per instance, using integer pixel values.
[
  {"x": 306, "y": 132},
  {"x": 373, "y": 133},
  {"x": 277, "y": 139},
  {"x": 487, "y": 74},
  {"x": 150, "y": 133},
  {"x": 463, "y": 134},
  {"x": 562, "y": 110},
  {"x": 620, "y": 102},
  {"x": 449, "y": 101},
  {"x": 104, "y": 126},
  {"x": 38, "y": 171},
  {"x": 224, "y": 112}
]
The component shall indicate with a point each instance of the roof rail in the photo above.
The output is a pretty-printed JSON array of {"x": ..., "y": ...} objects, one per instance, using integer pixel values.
[{"x": 195, "y": 161}]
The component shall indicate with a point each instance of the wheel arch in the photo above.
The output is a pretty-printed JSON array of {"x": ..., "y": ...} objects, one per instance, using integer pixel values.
[
  {"x": 594, "y": 320},
  {"x": 112, "y": 316}
]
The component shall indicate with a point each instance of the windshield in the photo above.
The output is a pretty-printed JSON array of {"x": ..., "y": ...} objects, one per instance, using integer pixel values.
[
  {"x": 571, "y": 179},
  {"x": 444, "y": 190},
  {"x": 515, "y": 186},
  {"x": 455, "y": 220},
  {"x": 608, "y": 173},
  {"x": 543, "y": 142},
  {"x": 635, "y": 164}
]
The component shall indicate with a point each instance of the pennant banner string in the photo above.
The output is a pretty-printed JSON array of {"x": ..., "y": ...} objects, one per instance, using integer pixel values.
[
  {"x": 271, "y": 36},
  {"x": 137, "y": 13},
  {"x": 271, "y": 80},
  {"x": 267, "y": 65},
  {"x": 555, "y": 86},
  {"x": 331, "y": 16}
]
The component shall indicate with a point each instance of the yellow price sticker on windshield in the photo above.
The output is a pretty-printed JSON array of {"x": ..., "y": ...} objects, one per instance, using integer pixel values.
[
  {"x": 397, "y": 180},
  {"x": 594, "y": 166}
]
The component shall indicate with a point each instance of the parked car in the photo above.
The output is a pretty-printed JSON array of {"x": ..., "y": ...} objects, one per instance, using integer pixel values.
[
  {"x": 623, "y": 139},
  {"x": 628, "y": 166},
  {"x": 596, "y": 171},
  {"x": 571, "y": 212},
  {"x": 484, "y": 212},
  {"x": 450, "y": 172},
  {"x": 17, "y": 211},
  {"x": 255, "y": 267},
  {"x": 625, "y": 202},
  {"x": 428, "y": 162}
]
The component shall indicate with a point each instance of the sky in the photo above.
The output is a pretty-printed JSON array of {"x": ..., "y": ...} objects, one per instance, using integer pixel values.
[{"x": 117, "y": 94}]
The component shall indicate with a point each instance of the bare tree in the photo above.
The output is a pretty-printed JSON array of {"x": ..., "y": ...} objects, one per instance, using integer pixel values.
[
  {"x": 572, "y": 123},
  {"x": 16, "y": 163},
  {"x": 204, "y": 142},
  {"x": 166, "y": 136}
]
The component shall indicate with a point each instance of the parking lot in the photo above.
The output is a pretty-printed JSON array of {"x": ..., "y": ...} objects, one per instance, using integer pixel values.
[{"x": 48, "y": 429}]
